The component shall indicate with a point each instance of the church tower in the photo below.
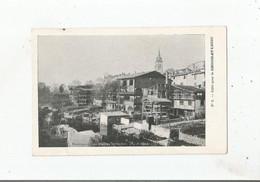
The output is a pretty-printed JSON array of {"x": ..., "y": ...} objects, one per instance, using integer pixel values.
[{"x": 159, "y": 63}]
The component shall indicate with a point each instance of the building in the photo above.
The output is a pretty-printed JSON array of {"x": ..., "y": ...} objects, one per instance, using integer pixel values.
[
  {"x": 108, "y": 119},
  {"x": 159, "y": 63},
  {"x": 155, "y": 101},
  {"x": 159, "y": 108},
  {"x": 61, "y": 100},
  {"x": 131, "y": 88},
  {"x": 193, "y": 75},
  {"x": 82, "y": 94},
  {"x": 111, "y": 105},
  {"x": 188, "y": 102},
  {"x": 110, "y": 101}
]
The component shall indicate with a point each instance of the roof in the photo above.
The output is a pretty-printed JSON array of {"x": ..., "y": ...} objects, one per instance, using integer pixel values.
[
  {"x": 188, "y": 88},
  {"x": 182, "y": 74},
  {"x": 137, "y": 75},
  {"x": 115, "y": 113}
]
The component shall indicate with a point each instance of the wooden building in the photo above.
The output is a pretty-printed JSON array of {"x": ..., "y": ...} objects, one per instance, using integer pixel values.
[
  {"x": 188, "y": 102},
  {"x": 131, "y": 88},
  {"x": 83, "y": 94}
]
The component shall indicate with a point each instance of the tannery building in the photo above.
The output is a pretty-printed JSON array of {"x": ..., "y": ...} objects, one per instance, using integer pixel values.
[
  {"x": 132, "y": 85},
  {"x": 82, "y": 94},
  {"x": 188, "y": 101}
]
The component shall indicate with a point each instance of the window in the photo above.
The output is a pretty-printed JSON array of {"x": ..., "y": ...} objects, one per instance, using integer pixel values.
[
  {"x": 204, "y": 83},
  {"x": 195, "y": 77},
  {"x": 181, "y": 102},
  {"x": 131, "y": 82},
  {"x": 124, "y": 83},
  {"x": 189, "y": 102},
  {"x": 184, "y": 77}
]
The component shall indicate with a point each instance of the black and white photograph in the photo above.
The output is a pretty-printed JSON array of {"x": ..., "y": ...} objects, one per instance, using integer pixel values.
[
  {"x": 121, "y": 90},
  {"x": 129, "y": 90},
  {"x": 135, "y": 90}
]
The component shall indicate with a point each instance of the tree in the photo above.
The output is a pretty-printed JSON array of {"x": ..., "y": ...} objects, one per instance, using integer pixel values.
[
  {"x": 62, "y": 88},
  {"x": 104, "y": 89},
  {"x": 55, "y": 88},
  {"x": 76, "y": 83},
  {"x": 88, "y": 82},
  {"x": 44, "y": 94}
]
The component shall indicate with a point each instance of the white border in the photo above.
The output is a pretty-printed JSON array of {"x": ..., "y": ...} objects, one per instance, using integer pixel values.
[{"x": 216, "y": 118}]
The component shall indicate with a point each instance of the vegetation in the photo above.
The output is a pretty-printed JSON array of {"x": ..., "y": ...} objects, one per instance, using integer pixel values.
[
  {"x": 194, "y": 129},
  {"x": 44, "y": 94}
]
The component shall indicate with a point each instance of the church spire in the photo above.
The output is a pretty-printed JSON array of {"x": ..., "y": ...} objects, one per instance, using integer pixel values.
[
  {"x": 159, "y": 62},
  {"x": 159, "y": 58}
]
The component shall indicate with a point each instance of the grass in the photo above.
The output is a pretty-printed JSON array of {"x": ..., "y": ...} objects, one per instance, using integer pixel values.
[{"x": 194, "y": 129}]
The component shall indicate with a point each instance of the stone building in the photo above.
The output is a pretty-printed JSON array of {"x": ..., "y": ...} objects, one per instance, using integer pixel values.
[{"x": 193, "y": 75}]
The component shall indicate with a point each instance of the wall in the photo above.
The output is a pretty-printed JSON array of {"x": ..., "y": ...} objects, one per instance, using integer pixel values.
[
  {"x": 143, "y": 82},
  {"x": 160, "y": 131},
  {"x": 190, "y": 80},
  {"x": 125, "y": 121},
  {"x": 157, "y": 130},
  {"x": 103, "y": 124},
  {"x": 200, "y": 79},
  {"x": 199, "y": 110}
]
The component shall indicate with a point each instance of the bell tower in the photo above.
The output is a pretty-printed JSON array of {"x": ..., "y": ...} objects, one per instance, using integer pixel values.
[{"x": 159, "y": 63}]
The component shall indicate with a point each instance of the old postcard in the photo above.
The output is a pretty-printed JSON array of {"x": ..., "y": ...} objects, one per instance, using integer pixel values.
[{"x": 118, "y": 91}]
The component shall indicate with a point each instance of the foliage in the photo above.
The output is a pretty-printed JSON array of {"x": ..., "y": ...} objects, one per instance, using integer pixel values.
[
  {"x": 76, "y": 83},
  {"x": 44, "y": 94},
  {"x": 94, "y": 141},
  {"x": 62, "y": 88},
  {"x": 103, "y": 89},
  {"x": 42, "y": 115},
  {"x": 147, "y": 135},
  {"x": 194, "y": 129}
]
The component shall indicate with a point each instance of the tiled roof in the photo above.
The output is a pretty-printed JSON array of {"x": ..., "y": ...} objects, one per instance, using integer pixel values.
[
  {"x": 188, "y": 88},
  {"x": 136, "y": 75}
]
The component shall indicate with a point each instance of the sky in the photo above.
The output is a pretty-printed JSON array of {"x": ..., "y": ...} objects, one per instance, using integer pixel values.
[{"x": 62, "y": 59}]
